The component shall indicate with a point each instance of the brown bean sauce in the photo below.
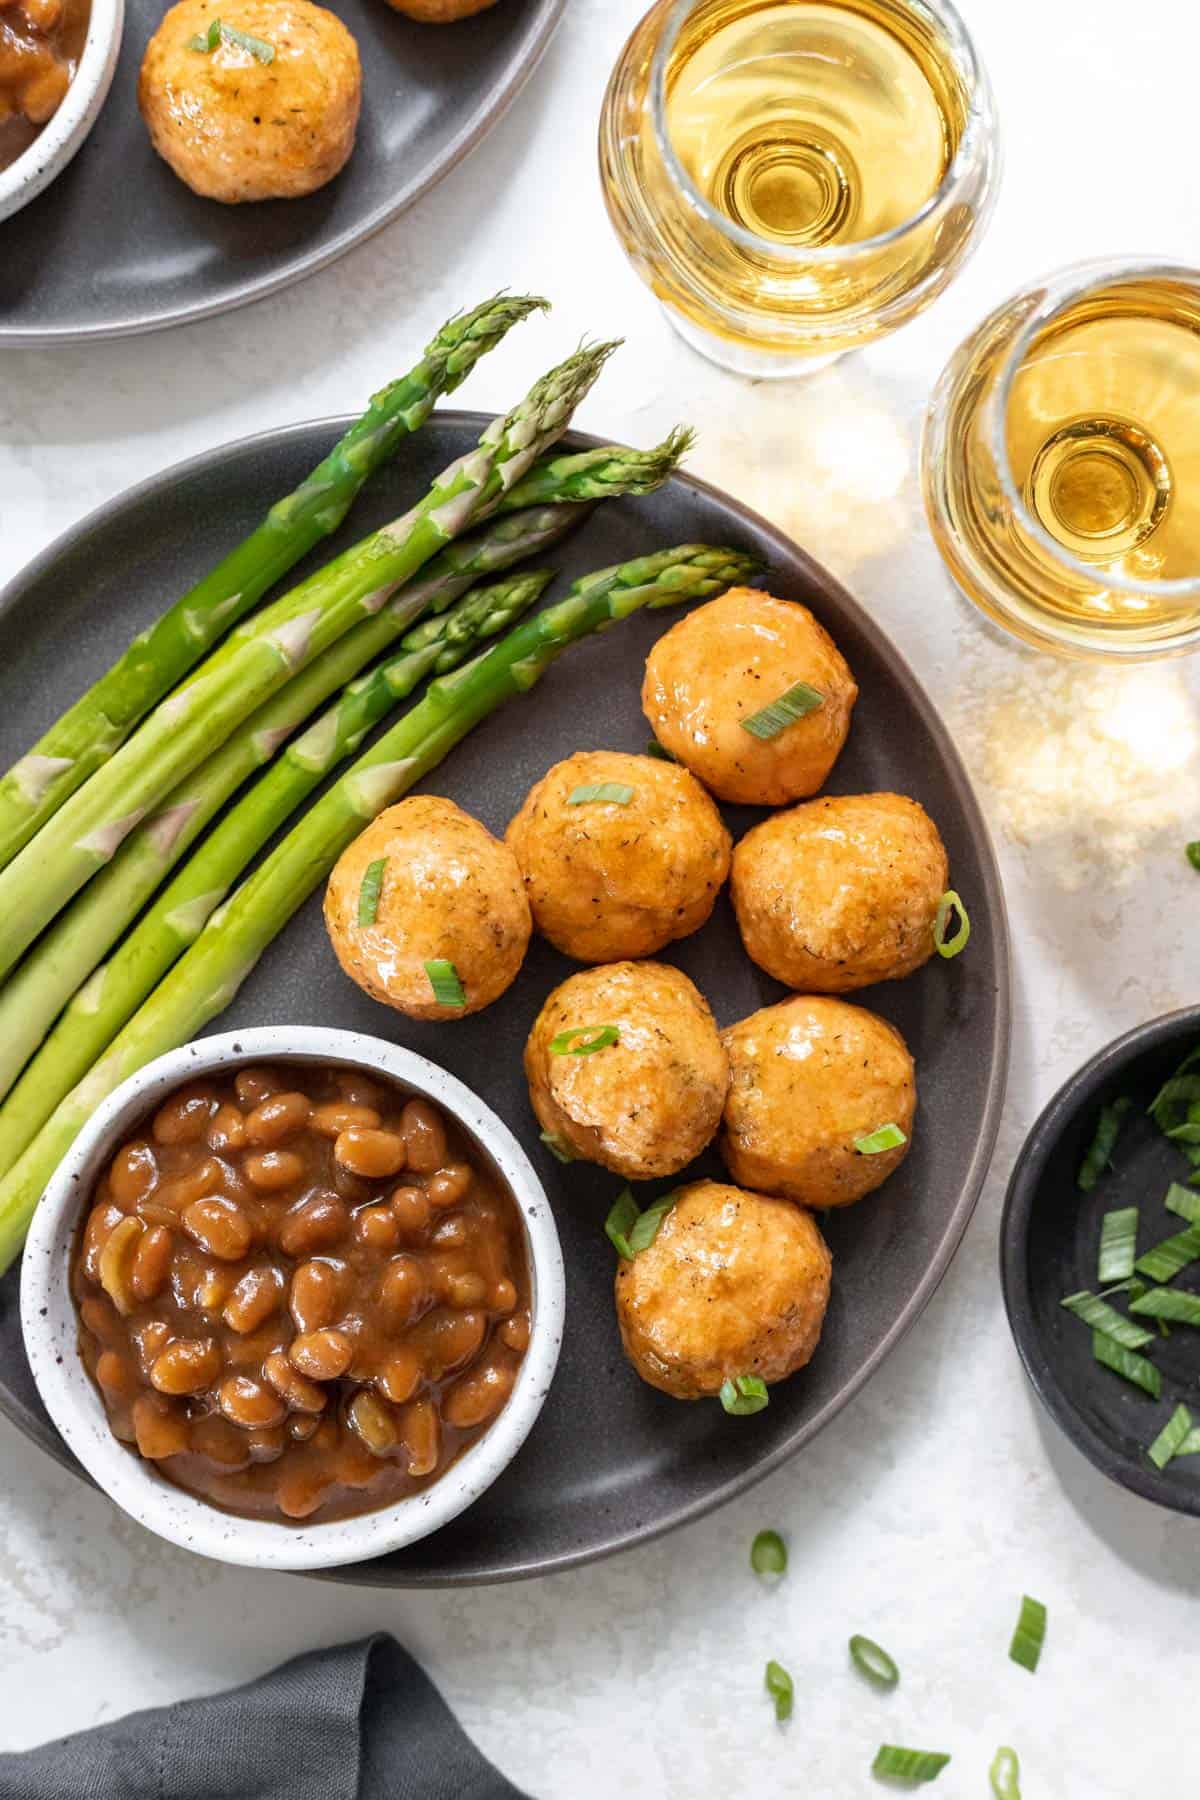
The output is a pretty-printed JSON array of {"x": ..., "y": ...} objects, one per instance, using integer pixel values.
[
  {"x": 41, "y": 42},
  {"x": 301, "y": 1293}
]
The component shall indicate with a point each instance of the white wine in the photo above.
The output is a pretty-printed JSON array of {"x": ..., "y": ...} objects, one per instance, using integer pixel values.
[
  {"x": 786, "y": 174},
  {"x": 1099, "y": 417}
]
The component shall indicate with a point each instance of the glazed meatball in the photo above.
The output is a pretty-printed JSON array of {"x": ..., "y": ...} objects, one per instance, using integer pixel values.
[
  {"x": 808, "y": 1079},
  {"x": 440, "y": 12},
  {"x": 839, "y": 893},
  {"x": 606, "y": 881},
  {"x": 450, "y": 892},
  {"x": 646, "y": 1105},
  {"x": 235, "y": 127},
  {"x": 735, "y": 1283},
  {"x": 725, "y": 662}
]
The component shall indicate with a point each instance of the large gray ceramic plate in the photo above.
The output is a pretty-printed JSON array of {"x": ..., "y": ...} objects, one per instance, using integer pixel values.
[
  {"x": 610, "y": 1461},
  {"x": 118, "y": 245}
]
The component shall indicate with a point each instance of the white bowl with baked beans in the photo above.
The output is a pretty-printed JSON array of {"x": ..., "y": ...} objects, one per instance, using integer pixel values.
[
  {"x": 71, "y": 49},
  {"x": 294, "y": 1298}
]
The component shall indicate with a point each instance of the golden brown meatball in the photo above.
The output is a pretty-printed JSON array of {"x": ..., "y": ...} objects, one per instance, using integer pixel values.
[
  {"x": 807, "y": 1080},
  {"x": 734, "y": 1283},
  {"x": 235, "y": 127},
  {"x": 646, "y": 1105},
  {"x": 839, "y": 893},
  {"x": 725, "y": 662},
  {"x": 450, "y": 892},
  {"x": 607, "y": 882},
  {"x": 440, "y": 12}
]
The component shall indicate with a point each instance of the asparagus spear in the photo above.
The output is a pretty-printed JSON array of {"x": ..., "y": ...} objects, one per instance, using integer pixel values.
[
  {"x": 91, "y": 730},
  {"x": 66, "y": 954},
  {"x": 89, "y": 828},
  {"x": 207, "y": 977},
  {"x": 600, "y": 474}
]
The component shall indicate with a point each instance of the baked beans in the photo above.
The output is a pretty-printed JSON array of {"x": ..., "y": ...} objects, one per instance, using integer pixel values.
[{"x": 301, "y": 1294}]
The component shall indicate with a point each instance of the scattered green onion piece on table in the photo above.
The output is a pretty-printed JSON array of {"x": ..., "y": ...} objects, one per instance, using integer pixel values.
[
  {"x": 779, "y": 1686},
  {"x": 1124, "y": 1362},
  {"x": 556, "y": 1147},
  {"x": 1099, "y": 1152},
  {"x": 1164, "y": 1260},
  {"x": 623, "y": 1215},
  {"x": 591, "y": 1038},
  {"x": 1005, "y": 1774},
  {"x": 1193, "y": 854},
  {"x": 957, "y": 941},
  {"x": 768, "y": 1554},
  {"x": 887, "y": 1137},
  {"x": 369, "y": 892},
  {"x": 797, "y": 703},
  {"x": 744, "y": 1394},
  {"x": 873, "y": 1661},
  {"x": 1030, "y": 1634},
  {"x": 909, "y": 1765},
  {"x": 448, "y": 990},
  {"x": 1103, "y": 1317},
  {"x": 646, "y": 1229},
  {"x": 1191, "y": 1443},
  {"x": 1168, "y": 1303},
  {"x": 615, "y": 793},
  {"x": 1182, "y": 1201},
  {"x": 1118, "y": 1244},
  {"x": 1171, "y": 1438}
]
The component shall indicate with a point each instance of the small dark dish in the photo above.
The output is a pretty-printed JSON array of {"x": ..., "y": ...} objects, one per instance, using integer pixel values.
[{"x": 1049, "y": 1239}]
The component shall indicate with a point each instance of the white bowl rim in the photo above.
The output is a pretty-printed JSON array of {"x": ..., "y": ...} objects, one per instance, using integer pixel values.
[
  {"x": 62, "y": 134},
  {"x": 50, "y": 1324}
]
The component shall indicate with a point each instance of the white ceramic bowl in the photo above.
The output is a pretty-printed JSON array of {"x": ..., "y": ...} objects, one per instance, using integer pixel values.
[
  {"x": 50, "y": 1325},
  {"x": 62, "y": 135}
]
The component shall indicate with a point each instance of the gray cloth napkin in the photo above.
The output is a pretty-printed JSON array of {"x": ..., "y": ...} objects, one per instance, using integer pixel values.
[{"x": 357, "y": 1722}]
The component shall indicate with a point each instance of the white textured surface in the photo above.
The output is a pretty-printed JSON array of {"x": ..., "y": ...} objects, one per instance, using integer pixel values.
[{"x": 926, "y": 1509}]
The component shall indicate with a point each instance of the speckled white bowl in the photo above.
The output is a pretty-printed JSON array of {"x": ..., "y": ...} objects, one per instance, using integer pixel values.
[
  {"x": 62, "y": 135},
  {"x": 50, "y": 1325}
]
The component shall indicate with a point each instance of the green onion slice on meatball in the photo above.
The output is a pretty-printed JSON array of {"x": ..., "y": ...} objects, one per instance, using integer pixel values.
[
  {"x": 797, "y": 703},
  {"x": 616, "y": 793},
  {"x": 448, "y": 990},
  {"x": 743, "y": 1394},
  {"x": 591, "y": 1038},
  {"x": 887, "y": 1137},
  {"x": 369, "y": 892},
  {"x": 630, "y": 1230},
  {"x": 219, "y": 32}
]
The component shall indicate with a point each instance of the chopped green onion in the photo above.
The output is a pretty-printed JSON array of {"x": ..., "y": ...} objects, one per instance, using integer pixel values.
[
  {"x": 1030, "y": 1634},
  {"x": 448, "y": 990},
  {"x": 622, "y": 1217},
  {"x": 646, "y": 1229},
  {"x": 556, "y": 1147},
  {"x": 1169, "y": 1107},
  {"x": 654, "y": 748},
  {"x": 1191, "y": 1444},
  {"x": 779, "y": 1686},
  {"x": 371, "y": 889},
  {"x": 947, "y": 906},
  {"x": 873, "y": 1661},
  {"x": 1193, "y": 854},
  {"x": 259, "y": 49},
  {"x": 593, "y": 1038},
  {"x": 1118, "y": 1244},
  {"x": 1099, "y": 1152},
  {"x": 1124, "y": 1362},
  {"x": 768, "y": 1554},
  {"x": 1181, "y": 1200},
  {"x": 1165, "y": 1259},
  {"x": 909, "y": 1765},
  {"x": 1168, "y": 1303},
  {"x": 1171, "y": 1438},
  {"x": 797, "y": 703},
  {"x": 1005, "y": 1774},
  {"x": 614, "y": 792},
  {"x": 888, "y": 1137},
  {"x": 1101, "y": 1317},
  {"x": 743, "y": 1394}
]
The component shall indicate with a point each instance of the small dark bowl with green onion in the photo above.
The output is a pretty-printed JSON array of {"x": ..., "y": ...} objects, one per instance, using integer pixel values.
[{"x": 1104, "y": 1206}]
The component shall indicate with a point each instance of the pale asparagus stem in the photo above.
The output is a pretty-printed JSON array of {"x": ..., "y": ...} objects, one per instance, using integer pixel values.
[
  {"x": 207, "y": 977},
  {"x": 91, "y": 730},
  {"x": 115, "y": 991},
  {"x": 65, "y": 955},
  {"x": 89, "y": 828}
]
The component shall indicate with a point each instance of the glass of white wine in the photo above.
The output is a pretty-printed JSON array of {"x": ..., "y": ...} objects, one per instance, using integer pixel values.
[
  {"x": 794, "y": 178},
  {"x": 1061, "y": 462}
]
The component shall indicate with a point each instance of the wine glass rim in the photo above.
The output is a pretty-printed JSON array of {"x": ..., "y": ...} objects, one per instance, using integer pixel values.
[
  {"x": 1059, "y": 291},
  {"x": 977, "y": 130}
]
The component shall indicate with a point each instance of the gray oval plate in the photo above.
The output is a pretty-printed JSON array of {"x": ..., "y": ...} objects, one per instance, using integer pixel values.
[
  {"x": 118, "y": 245},
  {"x": 610, "y": 1461}
]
